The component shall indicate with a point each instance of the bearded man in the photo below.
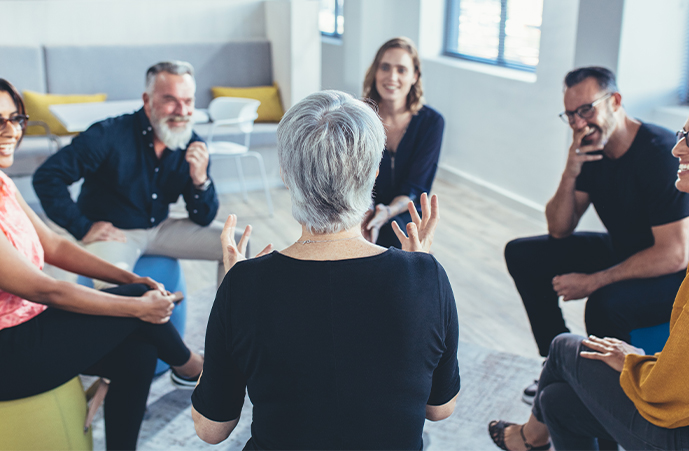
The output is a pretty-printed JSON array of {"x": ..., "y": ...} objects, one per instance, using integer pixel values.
[
  {"x": 630, "y": 274},
  {"x": 134, "y": 166}
]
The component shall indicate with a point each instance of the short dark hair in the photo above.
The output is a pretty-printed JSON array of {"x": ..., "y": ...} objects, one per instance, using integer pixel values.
[
  {"x": 6, "y": 86},
  {"x": 604, "y": 77}
]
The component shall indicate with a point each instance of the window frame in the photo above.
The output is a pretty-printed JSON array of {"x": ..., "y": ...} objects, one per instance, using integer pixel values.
[
  {"x": 337, "y": 13},
  {"x": 452, "y": 34}
]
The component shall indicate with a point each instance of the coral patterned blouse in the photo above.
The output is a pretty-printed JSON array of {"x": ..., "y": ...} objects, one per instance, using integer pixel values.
[{"x": 17, "y": 227}]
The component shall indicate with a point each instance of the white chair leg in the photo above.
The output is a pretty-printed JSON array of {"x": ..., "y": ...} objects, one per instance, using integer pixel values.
[
  {"x": 240, "y": 171},
  {"x": 262, "y": 168}
]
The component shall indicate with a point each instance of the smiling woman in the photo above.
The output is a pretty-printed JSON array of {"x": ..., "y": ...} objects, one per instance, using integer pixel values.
[
  {"x": 51, "y": 331},
  {"x": 414, "y": 133}
]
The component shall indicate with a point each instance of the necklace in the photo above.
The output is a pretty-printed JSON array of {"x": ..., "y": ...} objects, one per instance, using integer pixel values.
[{"x": 326, "y": 241}]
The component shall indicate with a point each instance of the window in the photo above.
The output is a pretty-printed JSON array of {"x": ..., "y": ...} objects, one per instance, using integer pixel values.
[
  {"x": 501, "y": 32},
  {"x": 330, "y": 18}
]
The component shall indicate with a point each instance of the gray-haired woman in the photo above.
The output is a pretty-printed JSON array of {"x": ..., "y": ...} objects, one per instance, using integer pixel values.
[{"x": 340, "y": 343}]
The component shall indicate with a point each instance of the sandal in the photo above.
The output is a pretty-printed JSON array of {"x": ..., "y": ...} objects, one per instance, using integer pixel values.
[{"x": 496, "y": 429}]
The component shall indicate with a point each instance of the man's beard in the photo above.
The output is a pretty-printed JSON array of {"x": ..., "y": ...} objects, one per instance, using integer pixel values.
[{"x": 173, "y": 139}]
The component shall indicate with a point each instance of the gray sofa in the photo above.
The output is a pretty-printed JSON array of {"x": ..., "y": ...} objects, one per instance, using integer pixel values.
[{"x": 119, "y": 72}]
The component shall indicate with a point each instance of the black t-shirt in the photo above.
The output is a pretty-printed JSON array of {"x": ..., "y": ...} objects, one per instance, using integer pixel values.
[
  {"x": 335, "y": 354},
  {"x": 636, "y": 191}
]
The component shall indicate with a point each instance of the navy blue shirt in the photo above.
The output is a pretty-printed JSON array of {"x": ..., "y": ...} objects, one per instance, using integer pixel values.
[
  {"x": 636, "y": 192},
  {"x": 124, "y": 181},
  {"x": 410, "y": 170},
  {"x": 341, "y": 354}
]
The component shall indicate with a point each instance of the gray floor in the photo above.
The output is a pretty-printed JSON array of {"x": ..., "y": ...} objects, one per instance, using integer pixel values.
[{"x": 498, "y": 357}]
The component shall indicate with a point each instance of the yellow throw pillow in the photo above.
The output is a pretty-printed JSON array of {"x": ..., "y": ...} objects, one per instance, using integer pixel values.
[
  {"x": 37, "y": 108},
  {"x": 270, "y": 109}
]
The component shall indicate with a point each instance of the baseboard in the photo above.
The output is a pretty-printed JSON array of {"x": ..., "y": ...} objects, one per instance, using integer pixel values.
[{"x": 530, "y": 208}]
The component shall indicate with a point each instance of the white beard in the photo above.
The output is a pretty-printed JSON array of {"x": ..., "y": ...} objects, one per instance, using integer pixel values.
[{"x": 173, "y": 139}]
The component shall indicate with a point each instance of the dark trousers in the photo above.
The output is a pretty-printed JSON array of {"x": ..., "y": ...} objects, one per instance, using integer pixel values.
[
  {"x": 387, "y": 237},
  {"x": 612, "y": 311},
  {"x": 581, "y": 399},
  {"x": 50, "y": 349}
]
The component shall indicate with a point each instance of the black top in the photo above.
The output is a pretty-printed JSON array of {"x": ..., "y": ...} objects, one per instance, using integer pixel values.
[
  {"x": 636, "y": 191},
  {"x": 335, "y": 354},
  {"x": 410, "y": 170},
  {"x": 124, "y": 182}
]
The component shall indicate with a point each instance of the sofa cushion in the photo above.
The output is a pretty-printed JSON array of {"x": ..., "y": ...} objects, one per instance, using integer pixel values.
[
  {"x": 270, "y": 109},
  {"x": 37, "y": 105},
  {"x": 120, "y": 70},
  {"x": 23, "y": 67}
]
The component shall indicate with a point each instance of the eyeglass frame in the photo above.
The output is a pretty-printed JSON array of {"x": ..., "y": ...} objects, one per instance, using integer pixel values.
[
  {"x": 682, "y": 134},
  {"x": 590, "y": 107},
  {"x": 22, "y": 118}
]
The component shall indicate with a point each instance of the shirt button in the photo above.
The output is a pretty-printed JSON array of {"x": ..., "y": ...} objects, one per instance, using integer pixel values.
[
  {"x": 149, "y": 129},
  {"x": 153, "y": 220},
  {"x": 150, "y": 145},
  {"x": 144, "y": 132},
  {"x": 196, "y": 211},
  {"x": 156, "y": 169},
  {"x": 196, "y": 196},
  {"x": 155, "y": 196}
]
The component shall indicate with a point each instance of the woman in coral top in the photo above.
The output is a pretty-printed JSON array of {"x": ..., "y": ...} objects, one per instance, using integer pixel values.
[
  {"x": 605, "y": 388},
  {"x": 51, "y": 331}
]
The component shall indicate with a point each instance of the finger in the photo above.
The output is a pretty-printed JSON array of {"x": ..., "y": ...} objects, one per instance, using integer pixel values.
[
  {"x": 228, "y": 228},
  {"x": 244, "y": 240},
  {"x": 165, "y": 320},
  {"x": 266, "y": 250},
  {"x": 374, "y": 234},
  {"x": 416, "y": 219},
  {"x": 592, "y": 355},
  {"x": 425, "y": 207},
  {"x": 398, "y": 232},
  {"x": 177, "y": 296},
  {"x": 435, "y": 208},
  {"x": 413, "y": 232}
]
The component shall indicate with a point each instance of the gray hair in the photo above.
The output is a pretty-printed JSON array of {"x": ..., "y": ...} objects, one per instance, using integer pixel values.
[
  {"x": 171, "y": 67},
  {"x": 329, "y": 148}
]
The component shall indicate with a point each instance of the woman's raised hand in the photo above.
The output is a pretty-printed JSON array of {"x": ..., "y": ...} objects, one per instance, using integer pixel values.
[
  {"x": 157, "y": 307},
  {"x": 421, "y": 230},
  {"x": 233, "y": 252}
]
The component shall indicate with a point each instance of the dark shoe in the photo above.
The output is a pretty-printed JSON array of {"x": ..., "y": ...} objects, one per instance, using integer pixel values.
[
  {"x": 496, "y": 429},
  {"x": 530, "y": 393},
  {"x": 184, "y": 383}
]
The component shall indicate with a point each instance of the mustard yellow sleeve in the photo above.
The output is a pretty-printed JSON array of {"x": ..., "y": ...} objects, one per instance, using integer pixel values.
[{"x": 657, "y": 385}]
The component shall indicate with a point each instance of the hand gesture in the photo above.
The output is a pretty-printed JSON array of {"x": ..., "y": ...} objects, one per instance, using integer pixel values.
[
  {"x": 197, "y": 157},
  {"x": 150, "y": 283},
  {"x": 420, "y": 230},
  {"x": 103, "y": 231},
  {"x": 157, "y": 307},
  {"x": 233, "y": 252},
  {"x": 579, "y": 153},
  {"x": 575, "y": 285},
  {"x": 373, "y": 221},
  {"x": 609, "y": 350}
]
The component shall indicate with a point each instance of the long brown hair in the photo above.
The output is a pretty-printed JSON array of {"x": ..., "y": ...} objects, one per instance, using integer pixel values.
[
  {"x": 6, "y": 86},
  {"x": 415, "y": 98}
]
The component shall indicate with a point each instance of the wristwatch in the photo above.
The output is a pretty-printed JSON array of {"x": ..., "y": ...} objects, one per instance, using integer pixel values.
[{"x": 204, "y": 186}]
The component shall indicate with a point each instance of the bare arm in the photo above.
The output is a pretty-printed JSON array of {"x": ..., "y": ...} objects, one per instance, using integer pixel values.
[
  {"x": 566, "y": 207},
  {"x": 437, "y": 413},
  {"x": 669, "y": 254},
  {"x": 210, "y": 431},
  {"x": 64, "y": 254},
  {"x": 382, "y": 213}
]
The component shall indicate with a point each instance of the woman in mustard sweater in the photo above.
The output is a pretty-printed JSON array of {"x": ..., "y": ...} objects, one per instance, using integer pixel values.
[{"x": 605, "y": 388}]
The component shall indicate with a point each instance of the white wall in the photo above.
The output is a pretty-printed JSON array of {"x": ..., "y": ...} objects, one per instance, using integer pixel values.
[
  {"x": 502, "y": 130},
  {"x": 82, "y": 22}
]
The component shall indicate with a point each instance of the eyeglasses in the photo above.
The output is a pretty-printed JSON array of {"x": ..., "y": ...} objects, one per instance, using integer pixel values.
[
  {"x": 682, "y": 134},
  {"x": 584, "y": 111},
  {"x": 18, "y": 122}
]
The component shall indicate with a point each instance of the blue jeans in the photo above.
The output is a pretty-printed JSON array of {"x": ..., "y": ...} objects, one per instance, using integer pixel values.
[{"x": 581, "y": 400}]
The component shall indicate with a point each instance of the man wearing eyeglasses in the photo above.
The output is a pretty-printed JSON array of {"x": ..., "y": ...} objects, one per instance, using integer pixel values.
[{"x": 630, "y": 274}]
